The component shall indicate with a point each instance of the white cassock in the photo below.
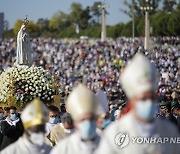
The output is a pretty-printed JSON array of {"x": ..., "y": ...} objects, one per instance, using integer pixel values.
[
  {"x": 128, "y": 124},
  {"x": 23, "y": 47},
  {"x": 24, "y": 146},
  {"x": 74, "y": 145}
]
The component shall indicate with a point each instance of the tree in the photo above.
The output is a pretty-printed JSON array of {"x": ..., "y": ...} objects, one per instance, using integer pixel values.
[
  {"x": 31, "y": 27},
  {"x": 76, "y": 12},
  {"x": 134, "y": 7},
  {"x": 59, "y": 21},
  {"x": 17, "y": 27},
  {"x": 85, "y": 17},
  {"x": 79, "y": 16},
  {"x": 159, "y": 23},
  {"x": 43, "y": 23},
  {"x": 174, "y": 24},
  {"x": 96, "y": 12},
  {"x": 168, "y": 5}
]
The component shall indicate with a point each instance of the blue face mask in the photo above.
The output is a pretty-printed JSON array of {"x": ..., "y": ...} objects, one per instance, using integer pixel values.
[
  {"x": 146, "y": 109},
  {"x": 87, "y": 129},
  {"x": 53, "y": 120},
  {"x": 13, "y": 117}
]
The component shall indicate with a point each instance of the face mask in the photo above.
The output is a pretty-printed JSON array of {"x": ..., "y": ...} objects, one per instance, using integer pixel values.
[
  {"x": 13, "y": 117},
  {"x": 68, "y": 131},
  {"x": 37, "y": 138},
  {"x": 1, "y": 116},
  {"x": 87, "y": 129},
  {"x": 53, "y": 120},
  {"x": 146, "y": 109}
]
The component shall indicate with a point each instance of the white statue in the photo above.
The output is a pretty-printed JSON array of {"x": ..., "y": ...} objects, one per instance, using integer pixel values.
[{"x": 23, "y": 46}]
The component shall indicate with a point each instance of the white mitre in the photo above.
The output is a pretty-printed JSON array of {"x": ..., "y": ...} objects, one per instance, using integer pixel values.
[
  {"x": 139, "y": 76},
  {"x": 82, "y": 101},
  {"x": 35, "y": 113}
]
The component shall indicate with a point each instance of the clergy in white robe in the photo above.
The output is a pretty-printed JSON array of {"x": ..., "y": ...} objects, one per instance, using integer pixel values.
[
  {"x": 24, "y": 146},
  {"x": 138, "y": 132},
  {"x": 81, "y": 104},
  {"x": 34, "y": 118}
]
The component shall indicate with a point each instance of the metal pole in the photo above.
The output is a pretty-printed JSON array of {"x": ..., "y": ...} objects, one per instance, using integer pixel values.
[
  {"x": 147, "y": 37},
  {"x": 103, "y": 32},
  {"x": 133, "y": 24}
]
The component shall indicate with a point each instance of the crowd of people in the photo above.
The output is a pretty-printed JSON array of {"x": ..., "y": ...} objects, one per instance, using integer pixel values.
[
  {"x": 129, "y": 82},
  {"x": 97, "y": 64}
]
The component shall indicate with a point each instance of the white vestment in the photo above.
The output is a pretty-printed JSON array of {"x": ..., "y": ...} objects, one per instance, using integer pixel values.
[
  {"x": 112, "y": 143},
  {"x": 23, "y": 47},
  {"x": 24, "y": 146},
  {"x": 49, "y": 127},
  {"x": 74, "y": 145}
]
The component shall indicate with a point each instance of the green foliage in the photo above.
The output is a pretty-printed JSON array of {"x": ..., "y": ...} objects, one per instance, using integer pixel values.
[
  {"x": 17, "y": 27},
  {"x": 174, "y": 23},
  {"x": 163, "y": 22},
  {"x": 59, "y": 20},
  {"x": 168, "y": 5},
  {"x": 134, "y": 7},
  {"x": 96, "y": 12},
  {"x": 9, "y": 33},
  {"x": 33, "y": 28}
]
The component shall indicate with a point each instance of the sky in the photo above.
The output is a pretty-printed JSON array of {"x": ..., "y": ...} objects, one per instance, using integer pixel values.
[{"x": 35, "y": 9}]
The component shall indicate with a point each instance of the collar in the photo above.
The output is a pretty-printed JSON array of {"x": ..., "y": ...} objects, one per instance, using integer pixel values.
[{"x": 10, "y": 122}]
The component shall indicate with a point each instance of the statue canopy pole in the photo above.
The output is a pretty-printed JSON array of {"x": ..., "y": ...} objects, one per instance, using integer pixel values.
[{"x": 23, "y": 45}]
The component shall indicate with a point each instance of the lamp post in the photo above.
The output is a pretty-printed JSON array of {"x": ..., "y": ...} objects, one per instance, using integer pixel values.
[
  {"x": 103, "y": 21},
  {"x": 147, "y": 7},
  {"x": 133, "y": 22}
]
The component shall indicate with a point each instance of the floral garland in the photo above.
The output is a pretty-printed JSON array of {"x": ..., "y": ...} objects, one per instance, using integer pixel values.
[{"x": 23, "y": 83}]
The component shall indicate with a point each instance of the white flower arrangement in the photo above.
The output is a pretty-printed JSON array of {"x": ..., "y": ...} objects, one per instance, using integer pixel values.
[{"x": 25, "y": 83}]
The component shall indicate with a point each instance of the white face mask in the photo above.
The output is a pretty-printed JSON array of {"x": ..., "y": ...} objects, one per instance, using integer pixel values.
[
  {"x": 146, "y": 109},
  {"x": 68, "y": 131},
  {"x": 37, "y": 138}
]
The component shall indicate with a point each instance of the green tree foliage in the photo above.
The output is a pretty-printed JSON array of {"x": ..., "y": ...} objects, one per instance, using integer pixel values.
[
  {"x": 134, "y": 6},
  {"x": 59, "y": 21},
  {"x": 163, "y": 22},
  {"x": 174, "y": 22},
  {"x": 17, "y": 27},
  {"x": 168, "y": 5},
  {"x": 32, "y": 28},
  {"x": 79, "y": 16},
  {"x": 96, "y": 12},
  {"x": 159, "y": 23}
]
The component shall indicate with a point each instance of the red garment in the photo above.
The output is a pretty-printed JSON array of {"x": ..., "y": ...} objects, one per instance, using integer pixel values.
[{"x": 125, "y": 110}]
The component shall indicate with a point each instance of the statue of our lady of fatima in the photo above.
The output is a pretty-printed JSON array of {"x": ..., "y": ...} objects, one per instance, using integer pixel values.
[{"x": 23, "y": 46}]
